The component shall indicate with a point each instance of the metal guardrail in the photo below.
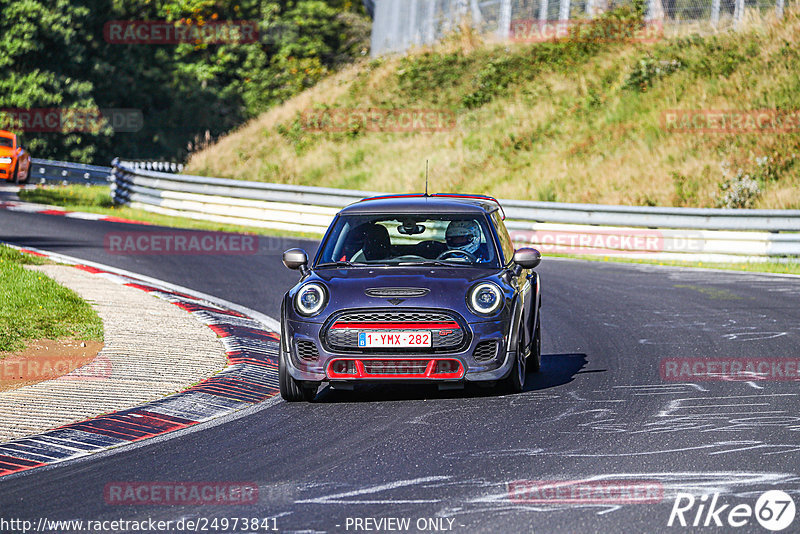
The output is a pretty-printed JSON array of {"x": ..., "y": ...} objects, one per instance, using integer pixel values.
[
  {"x": 151, "y": 165},
  {"x": 659, "y": 233},
  {"x": 48, "y": 171}
]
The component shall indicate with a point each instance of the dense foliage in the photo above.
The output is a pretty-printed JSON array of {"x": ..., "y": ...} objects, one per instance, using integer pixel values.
[{"x": 53, "y": 54}]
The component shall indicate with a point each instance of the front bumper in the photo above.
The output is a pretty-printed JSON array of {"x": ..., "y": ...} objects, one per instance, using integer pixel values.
[{"x": 310, "y": 360}]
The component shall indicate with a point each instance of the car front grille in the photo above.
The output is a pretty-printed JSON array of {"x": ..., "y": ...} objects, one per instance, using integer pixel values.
[
  {"x": 394, "y": 316},
  {"x": 307, "y": 351},
  {"x": 448, "y": 330},
  {"x": 485, "y": 351}
]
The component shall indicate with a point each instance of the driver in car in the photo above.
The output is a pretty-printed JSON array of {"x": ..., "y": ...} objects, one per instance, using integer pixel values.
[{"x": 466, "y": 236}]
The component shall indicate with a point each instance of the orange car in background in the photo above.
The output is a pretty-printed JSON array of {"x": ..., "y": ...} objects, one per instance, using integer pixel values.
[{"x": 15, "y": 162}]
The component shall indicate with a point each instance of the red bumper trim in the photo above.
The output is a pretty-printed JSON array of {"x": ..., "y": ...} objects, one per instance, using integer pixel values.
[{"x": 403, "y": 369}]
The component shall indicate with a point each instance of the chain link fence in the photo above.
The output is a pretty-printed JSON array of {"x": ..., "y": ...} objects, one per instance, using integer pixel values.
[{"x": 401, "y": 24}]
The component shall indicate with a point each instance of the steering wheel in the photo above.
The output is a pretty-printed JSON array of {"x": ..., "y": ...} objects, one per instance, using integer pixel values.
[{"x": 455, "y": 252}]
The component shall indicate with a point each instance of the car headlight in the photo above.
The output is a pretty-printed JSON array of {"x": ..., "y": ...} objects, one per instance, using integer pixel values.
[
  {"x": 5, "y": 160},
  {"x": 485, "y": 298},
  {"x": 310, "y": 299}
]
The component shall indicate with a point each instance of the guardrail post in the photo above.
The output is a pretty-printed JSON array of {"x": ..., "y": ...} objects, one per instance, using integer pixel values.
[
  {"x": 394, "y": 31},
  {"x": 715, "y": 13},
  {"x": 477, "y": 17},
  {"x": 413, "y": 27},
  {"x": 655, "y": 10},
  {"x": 504, "y": 21},
  {"x": 430, "y": 22},
  {"x": 563, "y": 11},
  {"x": 738, "y": 14}
]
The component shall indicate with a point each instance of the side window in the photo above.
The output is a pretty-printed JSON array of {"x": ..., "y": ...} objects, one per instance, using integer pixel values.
[{"x": 505, "y": 240}]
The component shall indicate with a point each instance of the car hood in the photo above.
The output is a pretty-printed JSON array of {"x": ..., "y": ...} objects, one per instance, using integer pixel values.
[
  {"x": 6, "y": 151},
  {"x": 447, "y": 286}
]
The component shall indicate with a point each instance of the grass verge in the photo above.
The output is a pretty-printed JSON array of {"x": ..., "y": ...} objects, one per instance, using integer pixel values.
[
  {"x": 574, "y": 120},
  {"x": 753, "y": 267},
  {"x": 33, "y": 306}
]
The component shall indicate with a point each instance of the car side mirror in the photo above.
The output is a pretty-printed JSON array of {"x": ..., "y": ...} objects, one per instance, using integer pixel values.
[
  {"x": 527, "y": 258},
  {"x": 296, "y": 258}
]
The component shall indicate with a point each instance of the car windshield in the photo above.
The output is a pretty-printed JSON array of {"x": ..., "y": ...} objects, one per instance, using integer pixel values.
[
  {"x": 7, "y": 142},
  {"x": 455, "y": 239}
]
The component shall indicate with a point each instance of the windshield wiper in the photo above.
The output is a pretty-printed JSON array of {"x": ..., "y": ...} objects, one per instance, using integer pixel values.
[
  {"x": 340, "y": 263},
  {"x": 437, "y": 262}
]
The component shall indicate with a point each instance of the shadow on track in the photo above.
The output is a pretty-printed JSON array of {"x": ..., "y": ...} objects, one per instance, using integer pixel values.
[
  {"x": 53, "y": 244},
  {"x": 557, "y": 370}
]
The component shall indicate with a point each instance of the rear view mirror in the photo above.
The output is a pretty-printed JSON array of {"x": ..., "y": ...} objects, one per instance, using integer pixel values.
[
  {"x": 527, "y": 258},
  {"x": 295, "y": 258},
  {"x": 411, "y": 229}
]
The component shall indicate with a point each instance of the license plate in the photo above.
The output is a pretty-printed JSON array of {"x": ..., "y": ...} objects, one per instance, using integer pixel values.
[{"x": 394, "y": 339}]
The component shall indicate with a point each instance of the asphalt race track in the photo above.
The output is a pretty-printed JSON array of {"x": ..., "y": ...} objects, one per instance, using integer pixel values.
[{"x": 599, "y": 409}]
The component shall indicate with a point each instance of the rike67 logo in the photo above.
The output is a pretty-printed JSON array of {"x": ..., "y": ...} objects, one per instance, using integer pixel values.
[{"x": 774, "y": 510}]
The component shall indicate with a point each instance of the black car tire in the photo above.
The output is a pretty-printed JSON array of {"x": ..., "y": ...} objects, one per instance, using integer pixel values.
[
  {"x": 515, "y": 381},
  {"x": 535, "y": 357},
  {"x": 293, "y": 390},
  {"x": 15, "y": 174}
]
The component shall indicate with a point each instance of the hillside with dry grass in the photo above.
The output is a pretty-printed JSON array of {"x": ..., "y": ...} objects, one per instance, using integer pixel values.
[{"x": 575, "y": 120}]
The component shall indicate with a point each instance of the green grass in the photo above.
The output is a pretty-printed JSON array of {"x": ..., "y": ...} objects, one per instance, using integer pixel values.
[
  {"x": 792, "y": 267},
  {"x": 574, "y": 120},
  {"x": 69, "y": 196},
  {"x": 33, "y": 306},
  {"x": 96, "y": 199}
]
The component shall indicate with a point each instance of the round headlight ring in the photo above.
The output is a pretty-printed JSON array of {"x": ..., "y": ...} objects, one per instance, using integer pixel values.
[
  {"x": 485, "y": 298},
  {"x": 310, "y": 299}
]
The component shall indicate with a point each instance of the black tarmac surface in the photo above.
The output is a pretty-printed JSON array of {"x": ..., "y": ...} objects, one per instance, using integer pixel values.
[{"x": 601, "y": 409}]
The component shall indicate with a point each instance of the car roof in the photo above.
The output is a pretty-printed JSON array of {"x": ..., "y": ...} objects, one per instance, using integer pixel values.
[
  {"x": 5, "y": 133},
  {"x": 423, "y": 204}
]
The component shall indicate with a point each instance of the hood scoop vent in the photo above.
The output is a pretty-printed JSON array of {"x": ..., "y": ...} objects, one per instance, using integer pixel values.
[{"x": 397, "y": 292}]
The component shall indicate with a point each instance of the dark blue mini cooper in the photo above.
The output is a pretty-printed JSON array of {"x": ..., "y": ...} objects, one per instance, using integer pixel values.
[{"x": 412, "y": 288}]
